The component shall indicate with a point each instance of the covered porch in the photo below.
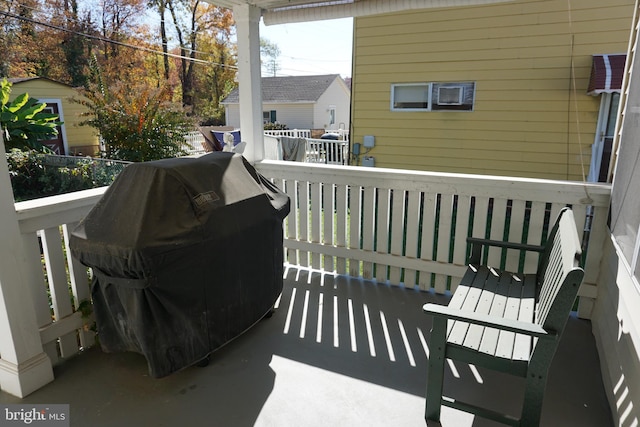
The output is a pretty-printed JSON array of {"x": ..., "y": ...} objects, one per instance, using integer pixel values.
[{"x": 365, "y": 248}]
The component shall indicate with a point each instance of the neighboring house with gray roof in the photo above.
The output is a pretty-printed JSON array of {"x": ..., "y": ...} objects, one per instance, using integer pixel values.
[{"x": 300, "y": 102}]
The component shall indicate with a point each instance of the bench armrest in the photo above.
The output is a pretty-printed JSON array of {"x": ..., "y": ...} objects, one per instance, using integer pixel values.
[
  {"x": 510, "y": 325},
  {"x": 477, "y": 244}
]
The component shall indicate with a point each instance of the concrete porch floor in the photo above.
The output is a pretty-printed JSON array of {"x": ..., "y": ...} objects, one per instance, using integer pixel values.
[{"x": 297, "y": 369}]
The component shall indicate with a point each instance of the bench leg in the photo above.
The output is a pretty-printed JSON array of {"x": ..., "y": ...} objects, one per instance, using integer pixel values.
[
  {"x": 435, "y": 376},
  {"x": 533, "y": 396}
]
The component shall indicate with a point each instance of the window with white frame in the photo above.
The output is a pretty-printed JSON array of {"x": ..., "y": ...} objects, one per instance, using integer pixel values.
[
  {"x": 332, "y": 114},
  {"x": 410, "y": 97},
  {"x": 434, "y": 96}
]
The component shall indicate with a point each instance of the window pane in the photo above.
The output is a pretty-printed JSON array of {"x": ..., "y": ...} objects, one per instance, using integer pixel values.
[{"x": 411, "y": 96}]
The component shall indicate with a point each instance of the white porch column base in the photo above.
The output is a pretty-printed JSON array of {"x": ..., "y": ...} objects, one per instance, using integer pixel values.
[
  {"x": 247, "y": 19},
  {"x": 25, "y": 378},
  {"x": 24, "y": 367}
]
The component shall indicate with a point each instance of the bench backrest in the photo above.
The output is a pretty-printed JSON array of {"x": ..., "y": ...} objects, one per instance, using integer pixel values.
[{"x": 559, "y": 273}]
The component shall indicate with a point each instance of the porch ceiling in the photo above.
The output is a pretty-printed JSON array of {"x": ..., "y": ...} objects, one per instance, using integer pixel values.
[{"x": 288, "y": 11}]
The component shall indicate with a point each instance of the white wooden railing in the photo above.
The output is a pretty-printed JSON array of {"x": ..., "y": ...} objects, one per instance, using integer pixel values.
[
  {"x": 193, "y": 143},
  {"x": 411, "y": 227},
  {"x": 58, "y": 283},
  {"x": 327, "y": 151},
  {"x": 397, "y": 227},
  {"x": 293, "y": 133},
  {"x": 343, "y": 134}
]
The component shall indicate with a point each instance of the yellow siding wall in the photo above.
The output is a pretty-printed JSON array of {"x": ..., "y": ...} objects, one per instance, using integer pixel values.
[
  {"x": 80, "y": 139},
  {"x": 519, "y": 54}
]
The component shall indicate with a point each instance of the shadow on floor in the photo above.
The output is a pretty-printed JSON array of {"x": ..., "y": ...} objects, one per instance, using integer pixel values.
[{"x": 338, "y": 351}]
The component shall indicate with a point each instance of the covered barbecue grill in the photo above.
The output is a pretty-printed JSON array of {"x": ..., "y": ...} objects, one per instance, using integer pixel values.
[{"x": 187, "y": 254}]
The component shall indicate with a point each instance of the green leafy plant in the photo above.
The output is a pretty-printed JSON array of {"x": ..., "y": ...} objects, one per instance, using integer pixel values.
[
  {"x": 275, "y": 126},
  {"x": 32, "y": 176},
  {"x": 24, "y": 122}
]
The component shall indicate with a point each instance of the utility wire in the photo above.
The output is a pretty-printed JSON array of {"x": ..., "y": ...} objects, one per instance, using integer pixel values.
[
  {"x": 80, "y": 22},
  {"x": 106, "y": 40}
]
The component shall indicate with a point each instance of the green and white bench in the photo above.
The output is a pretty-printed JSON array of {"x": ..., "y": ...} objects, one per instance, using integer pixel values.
[{"x": 506, "y": 321}]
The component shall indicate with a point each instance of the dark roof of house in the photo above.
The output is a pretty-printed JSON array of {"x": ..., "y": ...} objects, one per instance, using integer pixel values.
[{"x": 290, "y": 89}]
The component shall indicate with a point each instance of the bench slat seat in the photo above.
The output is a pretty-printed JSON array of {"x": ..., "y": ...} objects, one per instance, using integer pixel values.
[{"x": 507, "y": 321}]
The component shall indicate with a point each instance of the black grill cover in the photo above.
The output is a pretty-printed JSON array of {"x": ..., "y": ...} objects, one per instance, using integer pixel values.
[{"x": 187, "y": 254}]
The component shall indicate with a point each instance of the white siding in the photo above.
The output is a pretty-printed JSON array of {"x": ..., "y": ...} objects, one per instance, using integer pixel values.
[
  {"x": 337, "y": 94},
  {"x": 295, "y": 116},
  {"x": 616, "y": 327},
  {"x": 232, "y": 115}
]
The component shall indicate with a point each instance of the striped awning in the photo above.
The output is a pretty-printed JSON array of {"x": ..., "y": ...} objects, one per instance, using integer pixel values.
[{"x": 606, "y": 74}]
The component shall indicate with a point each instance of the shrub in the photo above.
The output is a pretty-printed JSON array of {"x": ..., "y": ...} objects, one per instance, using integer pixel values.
[
  {"x": 275, "y": 126},
  {"x": 32, "y": 177},
  {"x": 137, "y": 124}
]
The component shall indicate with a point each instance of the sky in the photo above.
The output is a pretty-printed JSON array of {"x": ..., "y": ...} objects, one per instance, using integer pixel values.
[{"x": 309, "y": 48}]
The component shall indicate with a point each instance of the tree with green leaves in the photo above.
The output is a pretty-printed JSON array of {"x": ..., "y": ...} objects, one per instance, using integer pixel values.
[{"x": 24, "y": 122}]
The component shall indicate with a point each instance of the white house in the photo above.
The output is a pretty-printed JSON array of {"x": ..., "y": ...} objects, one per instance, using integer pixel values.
[{"x": 300, "y": 102}]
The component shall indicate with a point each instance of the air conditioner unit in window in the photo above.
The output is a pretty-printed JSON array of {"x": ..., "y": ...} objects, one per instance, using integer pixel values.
[{"x": 451, "y": 95}]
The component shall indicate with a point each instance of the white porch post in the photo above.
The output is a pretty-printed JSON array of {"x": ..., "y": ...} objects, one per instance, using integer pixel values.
[
  {"x": 247, "y": 19},
  {"x": 24, "y": 367}
]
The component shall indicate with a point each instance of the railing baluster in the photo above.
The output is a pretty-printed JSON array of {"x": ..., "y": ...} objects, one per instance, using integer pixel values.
[
  {"x": 480, "y": 215},
  {"x": 341, "y": 226},
  {"x": 534, "y": 236},
  {"x": 515, "y": 233},
  {"x": 382, "y": 231},
  {"x": 412, "y": 230},
  {"x": 444, "y": 239},
  {"x": 368, "y": 228},
  {"x": 328, "y": 228},
  {"x": 80, "y": 286},
  {"x": 292, "y": 219},
  {"x": 303, "y": 226},
  {"x": 354, "y": 227},
  {"x": 428, "y": 237},
  {"x": 316, "y": 220},
  {"x": 31, "y": 247},
  {"x": 397, "y": 233},
  {"x": 498, "y": 224},
  {"x": 58, "y": 285},
  {"x": 463, "y": 211}
]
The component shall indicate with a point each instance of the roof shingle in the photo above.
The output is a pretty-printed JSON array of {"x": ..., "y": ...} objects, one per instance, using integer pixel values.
[{"x": 290, "y": 89}]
